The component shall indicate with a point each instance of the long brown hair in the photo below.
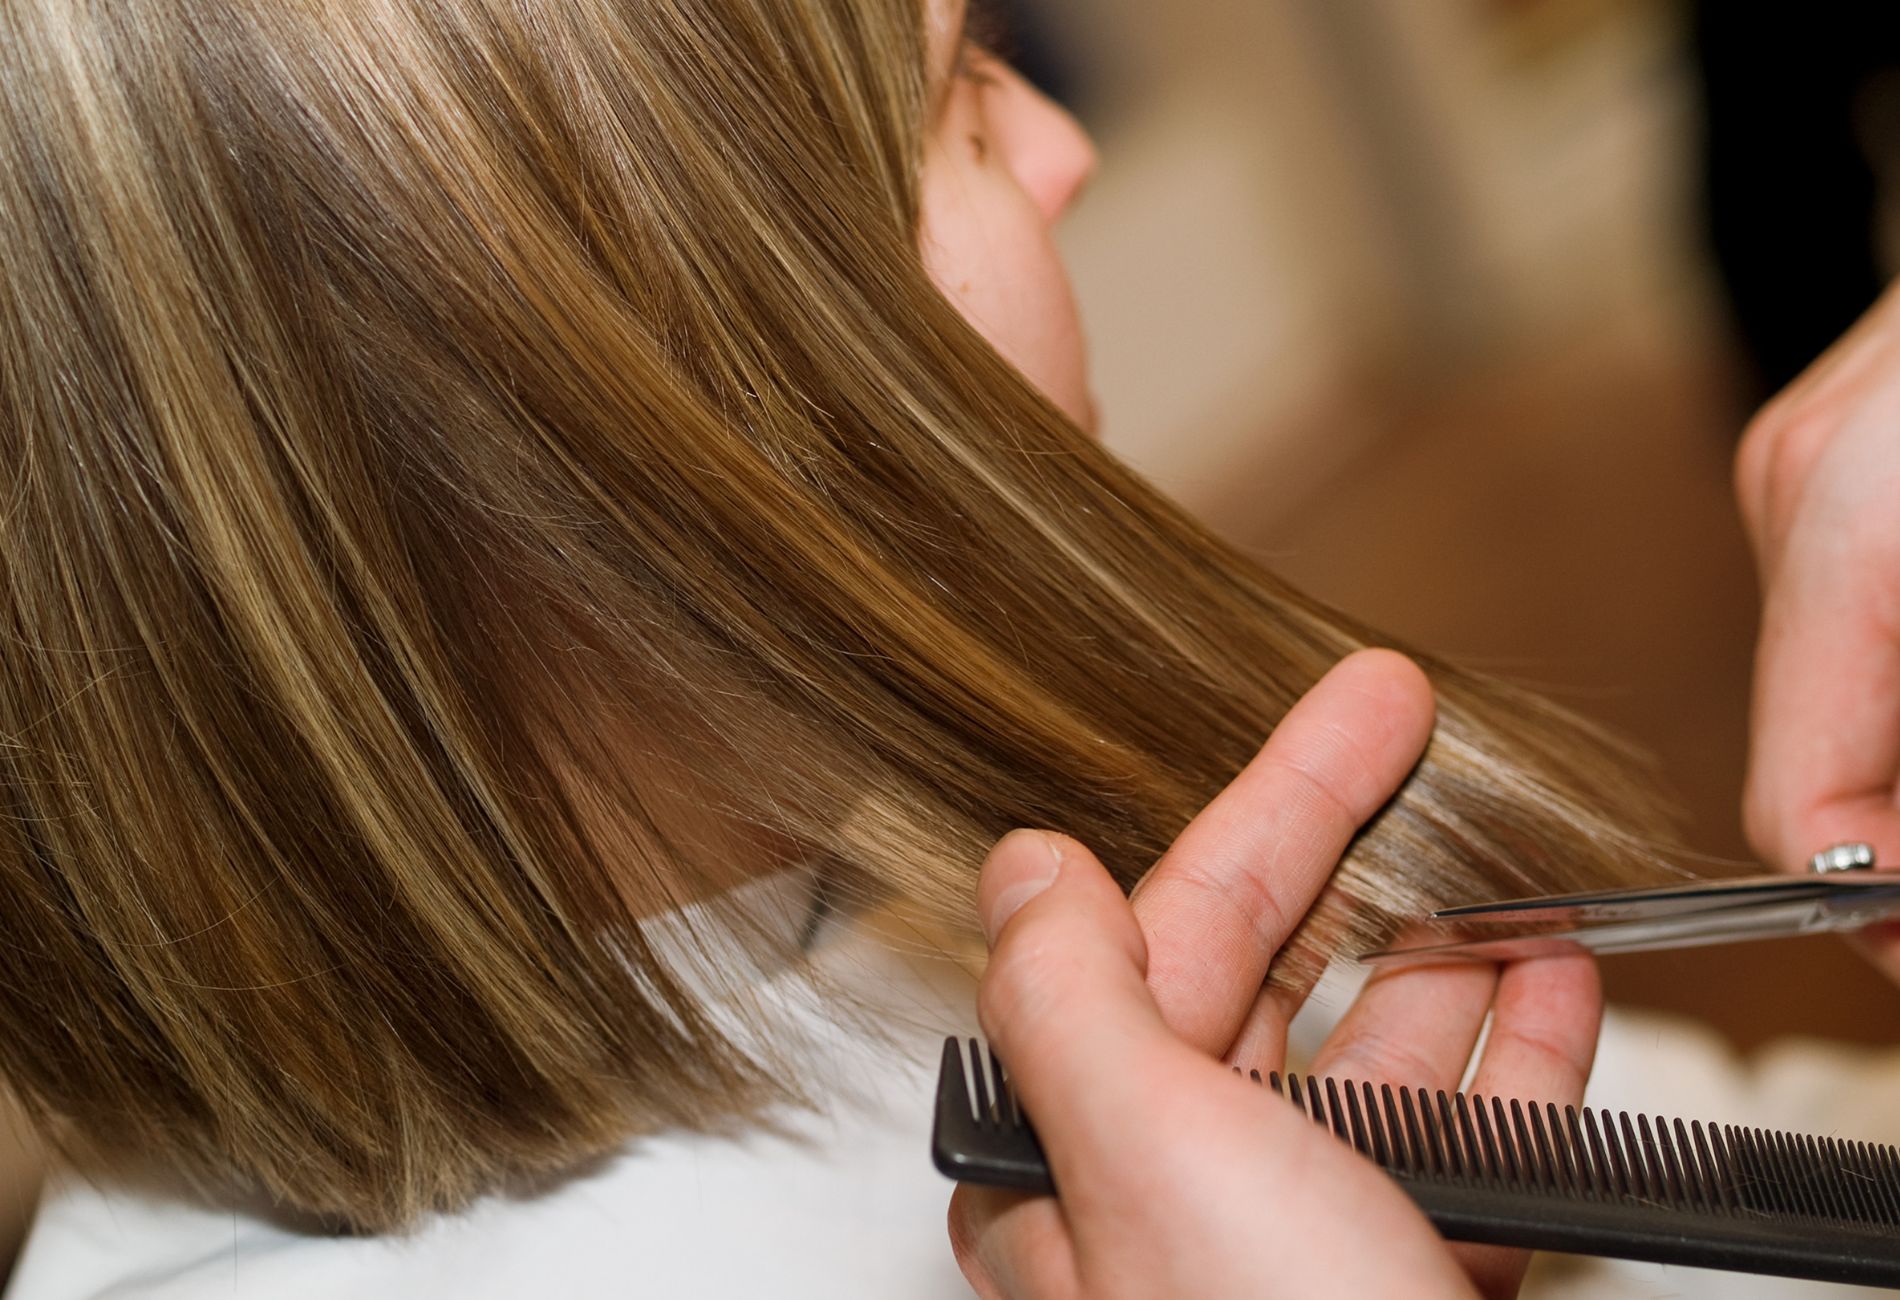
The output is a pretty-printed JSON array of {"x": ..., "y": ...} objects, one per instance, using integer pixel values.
[{"x": 476, "y": 474}]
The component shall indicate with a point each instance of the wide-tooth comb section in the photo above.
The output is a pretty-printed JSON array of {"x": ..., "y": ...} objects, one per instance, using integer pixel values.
[
  {"x": 1524, "y": 1173},
  {"x": 979, "y": 1133}
]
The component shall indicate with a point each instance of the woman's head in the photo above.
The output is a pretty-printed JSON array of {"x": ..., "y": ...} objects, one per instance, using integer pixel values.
[{"x": 475, "y": 474}]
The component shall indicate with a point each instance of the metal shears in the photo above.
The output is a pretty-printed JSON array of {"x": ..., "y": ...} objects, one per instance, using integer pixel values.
[{"x": 1843, "y": 890}]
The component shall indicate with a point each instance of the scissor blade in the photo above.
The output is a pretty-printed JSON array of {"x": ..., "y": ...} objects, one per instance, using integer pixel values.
[
  {"x": 1734, "y": 923},
  {"x": 1639, "y": 904}
]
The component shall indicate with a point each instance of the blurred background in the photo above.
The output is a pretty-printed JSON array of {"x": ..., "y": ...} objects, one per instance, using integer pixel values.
[{"x": 1454, "y": 311}]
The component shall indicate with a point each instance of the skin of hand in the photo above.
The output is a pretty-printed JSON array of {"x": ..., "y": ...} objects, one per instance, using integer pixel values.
[
  {"x": 1120, "y": 1019},
  {"x": 1818, "y": 478}
]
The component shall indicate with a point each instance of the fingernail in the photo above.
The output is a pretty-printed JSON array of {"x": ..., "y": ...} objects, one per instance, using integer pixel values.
[{"x": 1033, "y": 859}]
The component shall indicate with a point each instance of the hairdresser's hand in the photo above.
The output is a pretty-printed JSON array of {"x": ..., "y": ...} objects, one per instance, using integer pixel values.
[
  {"x": 1179, "y": 1179},
  {"x": 1818, "y": 479},
  {"x": 1226, "y": 1185}
]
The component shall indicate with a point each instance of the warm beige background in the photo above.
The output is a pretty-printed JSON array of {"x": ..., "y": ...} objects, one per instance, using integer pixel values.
[{"x": 1408, "y": 296}]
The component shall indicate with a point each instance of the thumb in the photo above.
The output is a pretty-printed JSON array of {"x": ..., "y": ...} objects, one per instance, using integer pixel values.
[{"x": 1065, "y": 1000}]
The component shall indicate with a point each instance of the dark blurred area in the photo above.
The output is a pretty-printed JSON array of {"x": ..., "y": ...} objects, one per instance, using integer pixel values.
[
  {"x": 1800, "y": 104},
  {"x": 1453, "y": 310}
]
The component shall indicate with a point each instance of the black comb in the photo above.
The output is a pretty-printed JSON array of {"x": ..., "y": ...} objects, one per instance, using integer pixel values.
[{"x": 1522, "y": 1173}]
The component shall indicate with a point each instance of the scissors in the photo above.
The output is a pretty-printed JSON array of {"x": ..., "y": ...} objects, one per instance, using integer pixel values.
[{"x": 1843, "y": 890}]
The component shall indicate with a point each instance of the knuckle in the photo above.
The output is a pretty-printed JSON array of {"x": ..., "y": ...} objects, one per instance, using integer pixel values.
[
  {"x": 1785, "y": 411},
  {"x": 1317, "y": 795},
  {"x": 1760, "y": 435},
  {"x": 1779, "y": 447},
  {"x": 1547, "y": 1056},
  {"x": 1380, "y": 1058},
  {"x": 1243, "y": 896}
]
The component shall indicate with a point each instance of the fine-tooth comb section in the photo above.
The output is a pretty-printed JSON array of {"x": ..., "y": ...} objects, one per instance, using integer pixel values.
[{"x": 1526, "y": 1173}]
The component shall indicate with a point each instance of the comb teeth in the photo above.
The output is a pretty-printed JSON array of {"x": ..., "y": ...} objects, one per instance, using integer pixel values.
[
  {"x": 980, "y": 1133},
  {"x": 1538, "y": 1149},
  {"x": 1531, "y": 1174}
]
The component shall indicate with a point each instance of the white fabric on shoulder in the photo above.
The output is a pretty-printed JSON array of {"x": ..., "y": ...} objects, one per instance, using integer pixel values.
[
  {"x": 841, "y": 1205},
  {"x": 1659, "y": 1064}
]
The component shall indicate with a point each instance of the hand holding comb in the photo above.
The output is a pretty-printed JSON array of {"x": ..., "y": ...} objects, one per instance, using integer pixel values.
[{"x": 1522, "y": 1173}]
